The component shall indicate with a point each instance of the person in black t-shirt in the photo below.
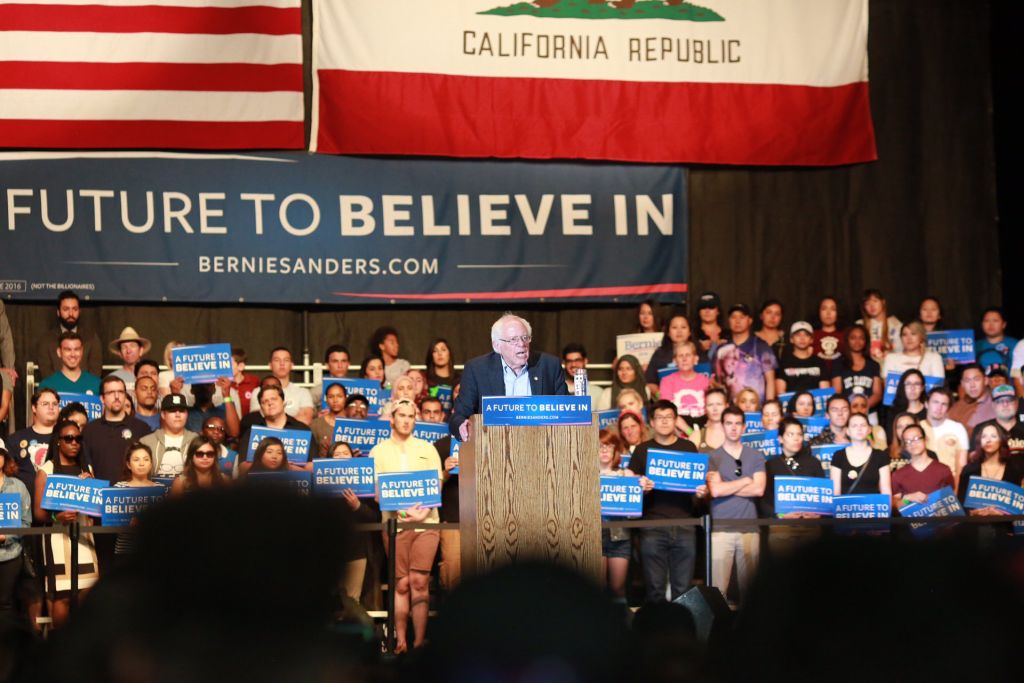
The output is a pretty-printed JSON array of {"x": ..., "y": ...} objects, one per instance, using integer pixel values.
[
  {"x": 668, "y": 553},
  {"x": 799, "y": 368}
]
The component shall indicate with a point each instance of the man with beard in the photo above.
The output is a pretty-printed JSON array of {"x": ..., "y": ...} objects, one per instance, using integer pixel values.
[{"x": 68, "y": 319}]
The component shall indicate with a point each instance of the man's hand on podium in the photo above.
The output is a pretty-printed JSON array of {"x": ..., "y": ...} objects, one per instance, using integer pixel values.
[{"x": 464, "y": 431}]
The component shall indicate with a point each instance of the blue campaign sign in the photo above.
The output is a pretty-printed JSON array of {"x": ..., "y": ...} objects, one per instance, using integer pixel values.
[
  {"x": 370, "y": 388},
  {"x": 296, "y": 442},
  {"x": 202, "y": 363},
  {"x": 813, "y": 426},
  {"x": 621, "y": 496},
  {"x": 954, "y": 345},
  {"x": 824, "y": 452},
  {"x": 297, "y": 481},
  {"x": 332, "y": 476},
  {"x": 536, "y": 411},
  {"x": 122, "y": 504},
  {"x": 941, "y": 503},
  {"x": 803, "y": 494},
  {"x": 401, "y": 490},
  {"x": 361, "y": 435},
  {"x": 703, "y": 369},
  {"x": 766, "y": 442},
  {"x": 667, "y": 370},
  {"x": 863, "y": 506},
  {"x": 93, "y": 405},
  {"x": 607, "y": 419},
  {"x": 625, "y": 460},
  {"x": 453, "y": 452},
  {"x": 821, "y": 397},
  {"x": 67, "y": 493},
  {"x": 443, "y": 393},
  {"x": 10, "y": 511},
  {"x": 227, "y": 463},
  {"x": 1001, "y": 495},
  {"x": 429, "y": 431},
  {"x": 676, "y": 471},
  {"x": 892, "y": 381},
  {"x": 752, "y": 422},
  {"x": 307, "y": 229}
]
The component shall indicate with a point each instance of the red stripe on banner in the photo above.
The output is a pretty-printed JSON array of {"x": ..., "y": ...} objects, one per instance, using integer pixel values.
[
  {"x": 152, "y": 134},
  {"x": 151, "y": 76},
  {"x": 143, "y": 18},
  {"x": 467, "y": 116},
  {"x": 632, "y": 290}
]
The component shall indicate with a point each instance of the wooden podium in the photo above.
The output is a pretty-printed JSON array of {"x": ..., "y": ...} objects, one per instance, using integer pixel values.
[{"x": 530, "y": 494}]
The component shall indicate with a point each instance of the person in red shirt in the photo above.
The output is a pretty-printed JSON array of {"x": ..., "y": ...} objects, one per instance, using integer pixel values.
[
  {"x": 922, "y": 475},
  {"x": 244, "y": 384}
]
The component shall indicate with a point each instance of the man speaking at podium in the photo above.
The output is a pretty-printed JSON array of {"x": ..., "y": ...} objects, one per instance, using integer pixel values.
[{"x": 510, "y": 371}]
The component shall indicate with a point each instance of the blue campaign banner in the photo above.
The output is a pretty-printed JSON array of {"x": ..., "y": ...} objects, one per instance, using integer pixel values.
[
  {"x": 332, "y": 476},
  {"x": 813, "y": 426},
  {"x": 766, "y": 442},
  {"x": 824, "y": 452},
  {"x": 625, "y": 460},
  {"x": 202, "y": 363},
  {"x": 429, "y": 431},
  {"x": 703, "y": 369},
  {"x": 803, "y": 494},
  {"x": 369, "y": 388},
  {"x": 536, "y": 411},
  {"x": 443, "y": 393},
  {"x": 361, "y": 435},
  {"x": 227, "y": 462},
  {"x": 453, "y": 452},
  {"x": 10, "y": 511},
  {"x": 401, "y": 490},
  {"x": 892, "y": 381},
  {"x": 941, "y": 503},
  {"x": 676, "y": 471},
  {"x": 954, "y": 345},
  {"x": 298, "y": 481},
  {"x": 863, "y": 506},
  {"x": 296, "y": 442},
  {"x": 1001, "y": 495},
  {"x": 67, "y": 493},
  {"x": 93, "y": 405},
  {"x": 621, "y": 496},
  {"x": 122, "y": 504},
  {"x": 821, "y": 397},
  {"x": 667, "y": 370},
  {"x": 752, "y": 422},
  {"x": 298, "y": 228},
  {"x": 607, "y": 419}
]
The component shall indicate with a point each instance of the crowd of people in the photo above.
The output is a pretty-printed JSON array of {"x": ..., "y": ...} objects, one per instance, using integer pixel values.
[{"x": 696, "y": 392}]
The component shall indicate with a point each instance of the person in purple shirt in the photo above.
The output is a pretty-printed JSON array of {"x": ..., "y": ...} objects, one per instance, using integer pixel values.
[{"x": 745, "y": 360}]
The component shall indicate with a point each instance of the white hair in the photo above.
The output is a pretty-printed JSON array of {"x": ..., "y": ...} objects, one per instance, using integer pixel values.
[{"x": 501, "y": 322}]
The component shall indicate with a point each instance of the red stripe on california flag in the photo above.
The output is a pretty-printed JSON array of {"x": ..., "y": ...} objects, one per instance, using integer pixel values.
[
  {"x": 153, "y": 134},
  {"x": 364, "y": 112},
  {"x": 632, "y": 290},
  {"x": 151, "y": 76},
  {"x": 151, "y": 19}
]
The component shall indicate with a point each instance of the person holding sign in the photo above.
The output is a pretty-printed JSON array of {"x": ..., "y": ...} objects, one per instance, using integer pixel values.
[
  {"x": 990, "y": 460},
  {"x": 323, "y": 424},
  {"x": 796, "y": 461},
  {"x": 269, "y": 456},
  {"x": 615, "y": 543},
  {"x": 915, "y": 354},
  {"x": 801, "y": 405},
  {"x": 272, "y": 406},
  {"x": 15, "y": 511},
  {"x": 859, "y": 468},
  {"x": 202, "y": 469},
  {"x": 415, "y": 549},
  {"x": 922, "y": 475},
  {"x": 668, "y": 553},
  {"x": 363, "y": 512},
  {"x": 64, "y": 457},
  {"x": 511, "y": 370},
  {"x": 736, "y": 479},
  {"x": 138, "y": 468}
]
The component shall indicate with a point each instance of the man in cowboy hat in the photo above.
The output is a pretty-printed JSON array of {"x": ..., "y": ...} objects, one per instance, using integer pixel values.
[{"x": 130, "y": 348}]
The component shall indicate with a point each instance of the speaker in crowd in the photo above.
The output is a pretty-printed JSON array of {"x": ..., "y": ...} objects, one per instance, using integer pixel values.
[{"x": 711, "y": 614}]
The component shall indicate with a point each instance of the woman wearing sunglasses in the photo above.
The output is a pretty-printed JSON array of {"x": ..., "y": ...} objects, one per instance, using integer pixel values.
[
  {"x": 63, "y": 458},
  {"x": 201, "y": 469}
]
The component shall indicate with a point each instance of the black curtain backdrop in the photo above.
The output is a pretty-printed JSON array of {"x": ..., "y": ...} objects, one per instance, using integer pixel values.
[{"x": 920, "y": 220}]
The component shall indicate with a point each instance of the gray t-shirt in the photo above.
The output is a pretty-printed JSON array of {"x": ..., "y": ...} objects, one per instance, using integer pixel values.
[{"x": 735, "y": 507}]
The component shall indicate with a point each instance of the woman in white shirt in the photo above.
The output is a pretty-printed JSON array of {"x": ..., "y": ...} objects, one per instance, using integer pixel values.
[{"x": 915, "y": 355}]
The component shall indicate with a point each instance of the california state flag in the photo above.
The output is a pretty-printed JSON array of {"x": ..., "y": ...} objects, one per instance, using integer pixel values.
[{"x": 773, "y": 82}]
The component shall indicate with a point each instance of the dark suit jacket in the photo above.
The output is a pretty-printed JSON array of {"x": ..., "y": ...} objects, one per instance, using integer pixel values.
[{"x": 482, "y": 376}]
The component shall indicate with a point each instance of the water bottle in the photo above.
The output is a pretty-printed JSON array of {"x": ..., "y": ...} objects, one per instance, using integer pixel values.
[{"x": 579, "y": 382}]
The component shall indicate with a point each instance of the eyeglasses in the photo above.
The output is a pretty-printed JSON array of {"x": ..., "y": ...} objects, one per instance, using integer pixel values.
[
  {"x": 215, "y": 428},
  {"x": 912, "y": 440},
  {"x": 523, "y": 339},
  {"x": 204, "y": 454},
  {"x": 71, "y": 439}
]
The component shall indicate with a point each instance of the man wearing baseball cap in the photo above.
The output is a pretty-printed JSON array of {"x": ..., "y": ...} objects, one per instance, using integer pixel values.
[
  {"x": 1004, "y": 403},
  {"x": 708, "y": 332},
  {"x": 170, "y": 442},
  {"x": 745, "y": 360},
  {"x": 800, "y": 369}
]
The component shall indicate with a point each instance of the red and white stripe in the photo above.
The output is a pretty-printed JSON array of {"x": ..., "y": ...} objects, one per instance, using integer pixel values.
[
  {"x": 151, "y": 74},
  {"x": 395, "y": 78}
]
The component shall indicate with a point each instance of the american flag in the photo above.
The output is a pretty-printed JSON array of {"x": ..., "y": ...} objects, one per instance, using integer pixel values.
[{"x": 151, "y": 74}]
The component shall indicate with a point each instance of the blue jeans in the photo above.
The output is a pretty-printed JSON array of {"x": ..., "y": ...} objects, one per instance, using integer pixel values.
[{"x": 668, "y": 554}]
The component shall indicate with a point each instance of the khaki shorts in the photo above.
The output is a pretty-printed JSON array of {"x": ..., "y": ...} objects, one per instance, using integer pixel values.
[{"x": 414, "y": 551}]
